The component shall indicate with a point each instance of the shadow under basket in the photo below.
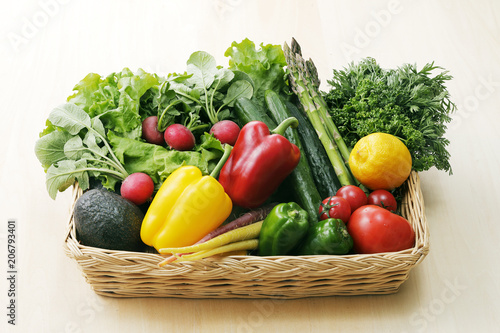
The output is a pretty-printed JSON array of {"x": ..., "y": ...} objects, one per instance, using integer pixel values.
[{"x": 136, "y": 274}]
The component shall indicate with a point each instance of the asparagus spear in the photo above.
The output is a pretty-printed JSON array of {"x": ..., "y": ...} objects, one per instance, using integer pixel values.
[
  {"x": 300, "y": 85},
  {"x": 313, "y": 85},
  {"x": 310, "y": 73},
  {"x": 304, "y": 74}
]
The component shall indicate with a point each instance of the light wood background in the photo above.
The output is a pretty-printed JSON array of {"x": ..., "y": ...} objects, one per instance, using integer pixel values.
[{"x": 47, "y": 46}]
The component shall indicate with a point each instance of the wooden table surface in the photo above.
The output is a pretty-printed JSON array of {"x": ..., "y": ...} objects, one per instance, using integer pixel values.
[{"x": 47, "y": 46}]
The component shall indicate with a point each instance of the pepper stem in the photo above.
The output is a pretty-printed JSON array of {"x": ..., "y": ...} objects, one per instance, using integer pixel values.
[
  {"x": 223, "y": 159},
  {"x": 293, "y": 213},
  {"x": 288, "y": 122}
]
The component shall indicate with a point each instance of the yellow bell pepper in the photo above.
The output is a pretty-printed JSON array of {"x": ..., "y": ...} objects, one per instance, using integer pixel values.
[{"x": 187, "y": 206}]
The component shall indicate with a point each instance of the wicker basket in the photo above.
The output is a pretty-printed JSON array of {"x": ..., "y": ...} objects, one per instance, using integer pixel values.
[{"x": 134, "y": 274}]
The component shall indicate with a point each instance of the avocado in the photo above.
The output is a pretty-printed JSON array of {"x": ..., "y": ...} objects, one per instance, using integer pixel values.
[{"x": 106, "y": 220}]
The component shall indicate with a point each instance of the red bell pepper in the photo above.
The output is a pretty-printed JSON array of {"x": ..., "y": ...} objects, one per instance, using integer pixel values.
[{"x": 259, "y": 162}]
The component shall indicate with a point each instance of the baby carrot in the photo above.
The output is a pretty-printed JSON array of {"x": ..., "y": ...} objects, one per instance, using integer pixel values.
[
  {"x": 249, "y": 244},
  {"x": 247, "y": 232}
]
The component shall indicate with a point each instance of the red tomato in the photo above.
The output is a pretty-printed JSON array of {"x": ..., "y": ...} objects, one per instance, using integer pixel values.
[
  {"x": 354, "y": 195},
  {"x": 384, "y": 199},
  {"x": 335, "y": 208},
  {"x": 375, "y": 229}
]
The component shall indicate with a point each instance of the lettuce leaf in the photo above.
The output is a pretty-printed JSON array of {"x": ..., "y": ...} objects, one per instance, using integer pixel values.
[
  {"x": 265, "y": 66},
  {"x": 85, "y": 90},
  {"x": 115, "y": 99},
  {"x": 159, "y": 162}
]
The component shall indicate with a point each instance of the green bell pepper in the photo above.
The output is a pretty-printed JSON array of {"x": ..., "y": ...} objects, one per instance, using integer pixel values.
[
  {"x": 329, "y": 236},
  {"x": 282, "y": 230}
]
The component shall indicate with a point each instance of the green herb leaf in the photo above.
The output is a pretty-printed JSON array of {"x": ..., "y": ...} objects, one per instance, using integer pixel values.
[
  {"x": 96, "y": 124},
  {"x": 49, "y": 149},
  {"x": 202, "y": 68},
  {"x": 90, "y": 141},
  {"x": 238, "y": 89},
  {"x": 62, "y": 175},
  {"x": 74, "y": 149},
  {"x": 71, "y": 158},
  {"x": 70, "y": 117},
  {"x": 239, "y": 75},
  {"x": 222, "y": 77},
  {"x": 208, "y": 84}
]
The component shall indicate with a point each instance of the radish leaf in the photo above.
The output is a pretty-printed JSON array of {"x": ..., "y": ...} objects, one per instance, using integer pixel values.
[
  {"x": 49, "y": 148},
  {"x": 62, "y": 175},
  {"x": 70, "y": 117}
]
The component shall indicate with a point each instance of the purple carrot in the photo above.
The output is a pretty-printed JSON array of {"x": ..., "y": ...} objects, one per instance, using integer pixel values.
[{"x": 248, "y": 218}]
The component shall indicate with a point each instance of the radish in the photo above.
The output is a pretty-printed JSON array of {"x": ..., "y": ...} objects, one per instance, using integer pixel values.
[
  {"x": 179, "y": 137},
  {"x": 138, "y": 188},
  {"x": 150, "y": 131},
  {"x": 226, "y": 131}
]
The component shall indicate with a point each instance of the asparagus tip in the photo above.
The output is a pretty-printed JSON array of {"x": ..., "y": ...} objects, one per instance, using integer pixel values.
[
  {"x": 296, "y": 47},
  {"x": 313, "y": 72}
]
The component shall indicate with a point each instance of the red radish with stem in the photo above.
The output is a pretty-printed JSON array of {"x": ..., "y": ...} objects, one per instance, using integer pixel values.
[
  {"x": 137, "y": 187},
  {"x": 150, "y": 131},
  {"x": 179, "y": 137},
  {"x": 226, "y": 131}
]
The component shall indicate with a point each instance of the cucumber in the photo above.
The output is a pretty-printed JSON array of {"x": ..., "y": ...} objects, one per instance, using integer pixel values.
[
  {"x": 323, "y": 173},
  {"x": 246, "y": 111},
  {"x": 300, "y": 181}
]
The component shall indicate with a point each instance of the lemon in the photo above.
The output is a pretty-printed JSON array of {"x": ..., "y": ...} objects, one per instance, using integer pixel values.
[{"x": 380, "y": 161}]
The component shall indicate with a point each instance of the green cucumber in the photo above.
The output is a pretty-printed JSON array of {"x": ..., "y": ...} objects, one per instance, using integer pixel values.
[
  {"x": 323, "y": 173},
  {"x": 300, "y": 181},
  {"x": 246, "y": 111}
]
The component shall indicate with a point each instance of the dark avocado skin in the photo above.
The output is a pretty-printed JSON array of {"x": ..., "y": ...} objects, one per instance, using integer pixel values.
[{"x": 106, "y": 220}]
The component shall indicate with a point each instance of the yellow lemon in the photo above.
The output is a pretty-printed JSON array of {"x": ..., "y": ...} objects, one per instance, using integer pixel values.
[{"x": 380, "y": 161}]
